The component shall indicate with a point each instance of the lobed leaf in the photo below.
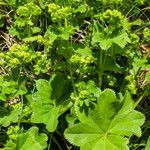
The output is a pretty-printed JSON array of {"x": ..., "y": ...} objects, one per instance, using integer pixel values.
[
  {"x": 31, "y": 140},
  {"x": 106, "y": 126}
]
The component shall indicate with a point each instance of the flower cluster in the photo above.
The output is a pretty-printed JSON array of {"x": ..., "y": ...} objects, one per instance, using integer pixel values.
[
  {"x": 26, "y": 14},
  {"x": 146, "y": 34},
  {"x": 17, "y": 55},
  {"x": 13, "y": 132},
  {"x": 131, "y": 86},
  {"x": 43, "y": 64},
  {"x": 87, "y": 93},
  {"x": 111, "y": 16},
  {"x": 82, "y": 64},
  {"x": 59, "y": 13}
]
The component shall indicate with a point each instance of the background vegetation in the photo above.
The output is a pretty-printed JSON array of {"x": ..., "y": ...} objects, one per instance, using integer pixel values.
[{"x": 74, "y": 74}]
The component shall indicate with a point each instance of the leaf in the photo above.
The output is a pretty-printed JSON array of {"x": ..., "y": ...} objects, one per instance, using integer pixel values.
[
  {"x": 61, "y": 88},
  {"x": 82, "y": 8},
  {"x": 106, "y": 41},
  {"x": 107, "y": 124},
  {"x": 3, "y": 111},
  {"x": 41, "y": 3},
  {"x": 45, "y": 108},
  {"x": 45, "y": 114},
  {"x": 148, "y": 77},
  {"x": 138, "y": 64},
  {"x": 21, "y": 90},
  {"x": 148, "y": 144},
  {"x": 66, "y": 32},
  {"x": 31, "y": 139},
  {"x": 84, "y": 51},
  {"x": 44, "y": 91},
  {"x": 12, "y": 117},
  {"x": 9, "y": 87},
  {"x": 42, "y": 83},
  {"x": 111, "y": 65},
  {"x": 121, "y": 40},
  {"x": 10, "y": 145},
  {"x": 51, "y": 34},
  {"x": 42, "y": 108}
]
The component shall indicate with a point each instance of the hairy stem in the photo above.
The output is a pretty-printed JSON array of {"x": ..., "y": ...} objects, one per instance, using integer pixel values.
[{"x": 102, "y": 58}]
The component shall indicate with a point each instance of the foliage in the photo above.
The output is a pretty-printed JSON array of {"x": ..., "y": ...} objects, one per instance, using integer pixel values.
[
  {"x": 106, "y": 124},
  {"x": 74, "y": 74}
]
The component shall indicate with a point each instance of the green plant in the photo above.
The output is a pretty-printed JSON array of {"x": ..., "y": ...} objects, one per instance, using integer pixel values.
[{"x": 74, "y": 74}]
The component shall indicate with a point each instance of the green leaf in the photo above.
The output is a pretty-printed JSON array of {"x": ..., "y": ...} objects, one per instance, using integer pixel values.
[
  {"x": 60, "y": 91},
  {"x": 107, "y": 124},
  {"x": 66, "y": 32},
  {"x": 82, "y": 8},
  {"x": 41, "y": 3},
  {"x": 12, "y": 117},
  {"x": 45, "y": 114},
  {"x": 9, "y": 87},
  {"x": 111, "y": 65},
  {"x": 106, "y": 41},
  {"x": 44, "y": 109},
  {"x": 3, "y": 111},
  {"x": 148, "y": 144},
  {"x": 32, "y": 140},
  {"x": 148, "y": 76},
  {"x": 44, "y": 91},
  {"x": 84, "y": 51},
  {"x": 21, "y": 90},
  {"x": 138, "y": 63},
  {"x": 121, "y": 40},
  {"x": 36, "y": 30},
  {"x": 9, "y": 145}
]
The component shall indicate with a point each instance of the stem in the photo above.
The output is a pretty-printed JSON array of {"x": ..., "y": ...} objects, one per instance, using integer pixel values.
[
  {"x": 73, "y": 84},
  {"x": 100, "y": 68},
  {"x": 20, "y": 118},
  {"x": 71, "y": 74},
  {"x": 56, "y": 142},
  {"x": 49, "y": 144},
  {"x": 139, "y": 100},
  {"x": 66, "y": 24},
  {"x": 64, "y": 140},
  {"x": 102, "y": 59}
]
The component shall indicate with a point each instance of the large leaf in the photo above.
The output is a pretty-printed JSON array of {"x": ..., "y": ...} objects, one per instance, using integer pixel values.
[
  {"x": 43, "y": 110},
  {"x": 106, "y": 126},
  {"x": 31, "y": 140},
  {"x": 47, "y": 104}
]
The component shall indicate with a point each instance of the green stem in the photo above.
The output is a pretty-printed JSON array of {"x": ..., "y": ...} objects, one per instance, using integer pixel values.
[
  {"x": 20, "y": 118},
  {"x": 66, "y": 24},
  {"x": 49, "y": 144},
  {"x": 102, "y": 59},
  {"x": 62, "y": 137},
  {"x": 73, "y": 84},
  {"x": 56, "y": 142},
  {"x": 71, "y": 74},
  {"x": 139, "y": 100},
  {"x": 100, "y": 68}
]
